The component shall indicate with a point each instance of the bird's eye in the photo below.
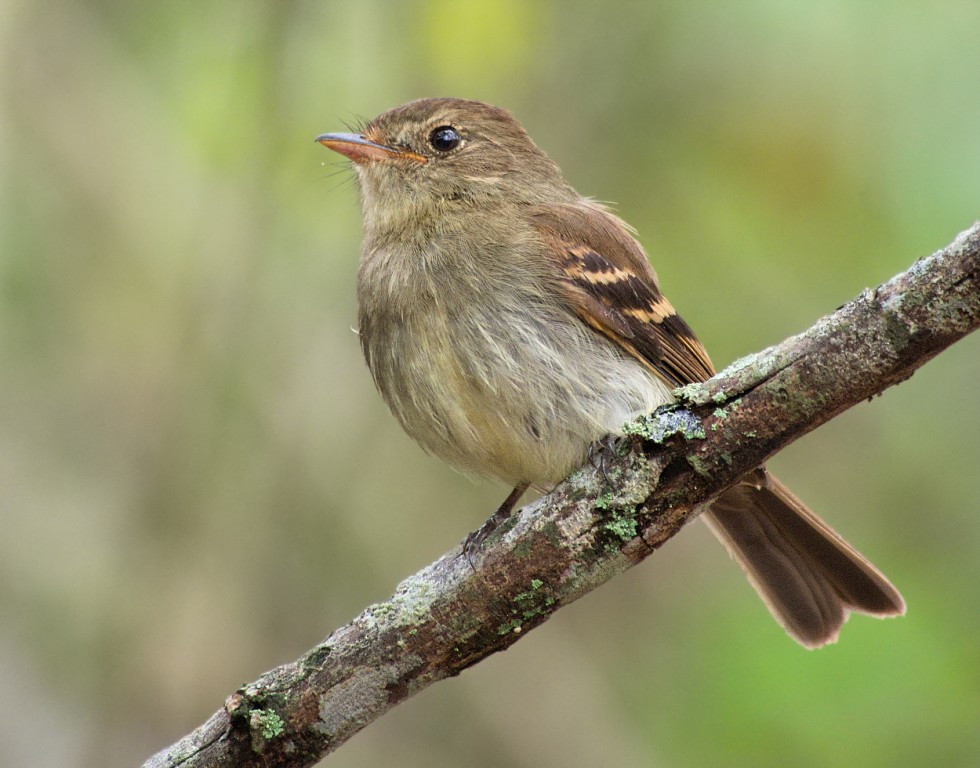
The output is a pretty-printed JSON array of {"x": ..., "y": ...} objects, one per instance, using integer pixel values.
[{"x": 444, "y": 138}]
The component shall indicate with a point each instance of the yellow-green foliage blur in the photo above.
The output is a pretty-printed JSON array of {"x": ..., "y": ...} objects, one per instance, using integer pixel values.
[{"x": 198, "y": 481}]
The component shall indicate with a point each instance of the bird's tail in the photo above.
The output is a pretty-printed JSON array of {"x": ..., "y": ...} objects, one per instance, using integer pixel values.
[{"x": 808, "y": 576}]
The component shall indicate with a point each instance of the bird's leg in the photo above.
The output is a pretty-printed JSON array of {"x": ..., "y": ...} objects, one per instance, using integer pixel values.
[{"x": 475, "y": 540}]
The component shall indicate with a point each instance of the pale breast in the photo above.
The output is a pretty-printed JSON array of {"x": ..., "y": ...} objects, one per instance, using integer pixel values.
[{"x": 515, "y": 388}]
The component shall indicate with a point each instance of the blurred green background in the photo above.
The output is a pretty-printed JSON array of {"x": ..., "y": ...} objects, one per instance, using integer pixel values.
[{"x": 199, "y": 481}]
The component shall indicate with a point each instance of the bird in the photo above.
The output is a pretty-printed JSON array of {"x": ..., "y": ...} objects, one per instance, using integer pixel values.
[{"x": 510, "y": 323}]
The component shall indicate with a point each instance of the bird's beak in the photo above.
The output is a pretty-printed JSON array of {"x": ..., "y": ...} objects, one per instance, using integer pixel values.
[{"x": 362, "y": 150}]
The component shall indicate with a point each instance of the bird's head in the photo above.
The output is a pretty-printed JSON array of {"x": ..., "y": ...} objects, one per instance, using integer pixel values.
[{"x": 433, "y": 157}]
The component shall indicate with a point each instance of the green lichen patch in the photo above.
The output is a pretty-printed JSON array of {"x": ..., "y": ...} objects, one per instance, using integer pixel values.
[
  {"x": 698, "y": 464},
  {"x": 619, "y": 521},
  {"x": 529, "y": 604},
  {"x": 622, "y": 523},
  {"x": 693, "y": 394},
  {"x": 267, "y": 723},
  {"x": 605, "y": 500},
  {"x": 514, "y": 625}
]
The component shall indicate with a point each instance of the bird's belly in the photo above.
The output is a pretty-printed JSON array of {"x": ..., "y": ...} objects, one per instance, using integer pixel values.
[{"x": 517, "y": 400}]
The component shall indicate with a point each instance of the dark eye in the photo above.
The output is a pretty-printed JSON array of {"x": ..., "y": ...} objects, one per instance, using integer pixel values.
[{"x": 444, "y": 138}]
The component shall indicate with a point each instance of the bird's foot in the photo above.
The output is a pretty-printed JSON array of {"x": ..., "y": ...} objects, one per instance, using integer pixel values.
[{"x": 474, "y": 541}]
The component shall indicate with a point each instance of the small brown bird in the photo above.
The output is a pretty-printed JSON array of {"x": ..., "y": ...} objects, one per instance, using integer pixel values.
[{"x": 510, "y": 323}]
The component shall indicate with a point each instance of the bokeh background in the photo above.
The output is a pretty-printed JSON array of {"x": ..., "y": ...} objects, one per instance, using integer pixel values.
[{"x": 198, "y": 481}]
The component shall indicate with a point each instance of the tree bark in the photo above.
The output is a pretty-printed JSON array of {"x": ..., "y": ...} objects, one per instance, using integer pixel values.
[{"x": 594, "y": 525}]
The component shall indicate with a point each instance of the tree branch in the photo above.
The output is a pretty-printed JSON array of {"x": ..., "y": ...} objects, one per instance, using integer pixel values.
[{"x": 594, "y": 525}]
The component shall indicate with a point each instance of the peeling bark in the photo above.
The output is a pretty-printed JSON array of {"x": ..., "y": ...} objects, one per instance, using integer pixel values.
[{"x": 594, "y": 525}]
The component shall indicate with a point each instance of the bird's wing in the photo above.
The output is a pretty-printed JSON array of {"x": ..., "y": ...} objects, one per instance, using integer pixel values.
[{"x": 611, "y": 286}]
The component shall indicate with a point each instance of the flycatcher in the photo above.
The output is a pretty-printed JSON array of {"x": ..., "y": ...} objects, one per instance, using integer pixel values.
[{"x": 510, "y": 323}]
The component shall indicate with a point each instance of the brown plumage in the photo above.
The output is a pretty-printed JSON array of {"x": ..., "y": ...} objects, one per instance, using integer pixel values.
[
  {"x": 509, "y": 323},
  {"x": 614, "y": 289}
]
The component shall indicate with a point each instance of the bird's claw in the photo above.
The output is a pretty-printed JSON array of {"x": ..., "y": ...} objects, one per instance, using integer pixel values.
[{"x": 600, "y": 453}]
